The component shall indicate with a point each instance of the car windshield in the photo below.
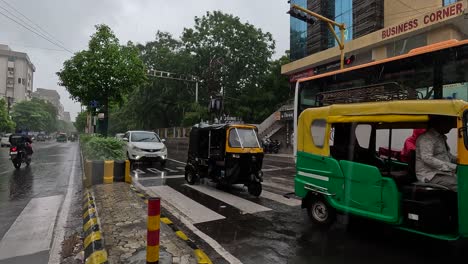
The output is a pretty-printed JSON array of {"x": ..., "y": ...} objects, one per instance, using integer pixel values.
[
  {"x": 144, "y": 137},
  {"x": 243, "y": 138}
]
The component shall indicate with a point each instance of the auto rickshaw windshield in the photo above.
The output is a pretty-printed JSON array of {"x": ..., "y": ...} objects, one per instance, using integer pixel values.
[{"x": 243, "y": 138}]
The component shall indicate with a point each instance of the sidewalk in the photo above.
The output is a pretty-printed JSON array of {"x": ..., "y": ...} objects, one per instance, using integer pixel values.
[{"x": 123, "y": 219}]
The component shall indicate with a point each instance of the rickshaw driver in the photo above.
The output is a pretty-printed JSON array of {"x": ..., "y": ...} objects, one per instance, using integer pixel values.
[{"x": 434, "y": 162}]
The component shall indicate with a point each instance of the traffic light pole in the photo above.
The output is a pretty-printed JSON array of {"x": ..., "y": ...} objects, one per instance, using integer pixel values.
[{"x": 330, "y": 23}]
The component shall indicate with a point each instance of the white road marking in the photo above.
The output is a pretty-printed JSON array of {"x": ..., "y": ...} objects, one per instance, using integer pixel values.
[
  {"x": 181, "y": 168},
  {"x": 198, "y": 213},
  {"x": 180, "y": 162},
  {"x": 169, "y": 170},
  {"x": 244, "y": 205},
  {"x": 271, "y": 166},
  {"x": 33, "y": 228},
  {"x": 278, "y": 186},
  {"x": 160, "y": 177},
  {"x": 277, "y": 169},
  {"x": 153, "y": 170},
  {"x": 189, "y": 224},
  {"x": 280, "y": 199}
]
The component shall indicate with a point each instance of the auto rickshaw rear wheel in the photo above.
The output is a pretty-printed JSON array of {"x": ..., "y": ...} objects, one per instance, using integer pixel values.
[
  {"x": 255, "y": 188},
  {"x": 320, "y": 212},
  {"x": 190, "y": 177}
]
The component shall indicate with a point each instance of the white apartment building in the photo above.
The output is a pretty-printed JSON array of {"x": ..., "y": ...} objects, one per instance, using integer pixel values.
[{"x": 16, "y": 75}]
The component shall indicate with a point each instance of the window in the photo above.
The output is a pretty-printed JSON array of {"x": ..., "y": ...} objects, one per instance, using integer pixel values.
[
  {"x": 363, "y": 134},
  {"x": 448, "y": 2},
  {"x": 317, "y": 130},
  {"x": 298, "y": 34},
  {"x": 144, "y": 137},
  {"x": 19, "y": 80},
  {"x": 343, "y": 14},
  {"x": 11, "y": 58},
  {"x": 243, "y": 138}
]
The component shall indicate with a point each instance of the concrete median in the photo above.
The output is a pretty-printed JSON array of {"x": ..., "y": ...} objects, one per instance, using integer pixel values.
[{"x": 106, "y": 172}]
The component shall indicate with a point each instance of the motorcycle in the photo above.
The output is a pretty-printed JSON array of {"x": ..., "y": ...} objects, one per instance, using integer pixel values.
[
  {"x": 270, "y": 146},
  {"x": 19, "y": 155}
]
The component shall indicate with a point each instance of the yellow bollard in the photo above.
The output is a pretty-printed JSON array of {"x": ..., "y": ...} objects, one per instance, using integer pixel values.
[
  {"x": 88, "y": 174},
  {"x": 108, "y": 171},
  {"x": 128, "y": 179}
]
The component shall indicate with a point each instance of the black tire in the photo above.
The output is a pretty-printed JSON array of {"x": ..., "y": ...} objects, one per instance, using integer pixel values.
[
  {"x": 321, "y": 213},
  {"x": 163, "y": 163},
  {"x": 190, "y": 176},
  {"x": 255, "y": 189},
  {"x": 17, "y": 164}
]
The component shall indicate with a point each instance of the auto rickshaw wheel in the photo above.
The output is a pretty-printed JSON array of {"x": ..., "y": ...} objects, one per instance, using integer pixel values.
[
  {"x": 255, "y": 188},
  {"x": 190, "y": 177},
  {"x": 320, "y": 212}
]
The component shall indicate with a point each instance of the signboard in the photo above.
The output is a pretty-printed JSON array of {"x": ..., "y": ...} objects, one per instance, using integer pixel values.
[
  {"x": 303, "y": 74},
  {"x": 287, "y": 115},
  {"x": 437, "y": 16}
]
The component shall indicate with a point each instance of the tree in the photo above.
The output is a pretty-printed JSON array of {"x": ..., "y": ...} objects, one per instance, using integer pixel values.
[
  {"x": 80, "y": 122},
  {"x": 6, "y": 125},
  {"x": 35, "y": 115},
  {"x": 230, "y": 56},
  {"x": 105, "y": 73}
]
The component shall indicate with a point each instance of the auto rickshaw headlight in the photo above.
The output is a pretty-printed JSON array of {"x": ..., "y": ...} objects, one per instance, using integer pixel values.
[
  {"x": 254, "y": 158},
  {"x": 236, "y": 156}
]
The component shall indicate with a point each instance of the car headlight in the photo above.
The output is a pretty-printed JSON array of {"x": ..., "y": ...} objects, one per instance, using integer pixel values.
[
  {"x": 164, "y": 149},
  {"x": 135, "y": 148}
]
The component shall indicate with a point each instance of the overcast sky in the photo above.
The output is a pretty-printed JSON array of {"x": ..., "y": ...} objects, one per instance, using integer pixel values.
[{"x": 72, "y": 22}]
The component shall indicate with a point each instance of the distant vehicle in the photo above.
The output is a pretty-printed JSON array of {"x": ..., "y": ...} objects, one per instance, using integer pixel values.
[
  {"x": 145, "y": 145},
  {"x": 5, "y": 141},
  {"x": 119, "y": 136},
  {"x": 41, "y": 137},
  {"x": 62, "y": 137}
]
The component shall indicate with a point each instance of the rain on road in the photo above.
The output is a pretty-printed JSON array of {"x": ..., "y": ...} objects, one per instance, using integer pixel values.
[{"x": 31, "y": 198}]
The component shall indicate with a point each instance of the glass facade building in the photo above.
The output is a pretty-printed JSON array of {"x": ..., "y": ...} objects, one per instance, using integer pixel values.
[
  {"x": 344, "y": 14},
  {"x": 298, "y": 34}
]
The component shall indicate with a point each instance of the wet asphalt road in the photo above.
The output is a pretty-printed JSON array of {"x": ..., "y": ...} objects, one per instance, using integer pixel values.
[
  {"x": 45, "y": 181},
  {"x": 284, "y": 234}
]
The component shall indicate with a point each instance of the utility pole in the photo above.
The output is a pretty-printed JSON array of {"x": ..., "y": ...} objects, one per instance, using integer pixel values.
[
  {"x": 176, "y": 76},
  {"x": 310, "y": 17}
]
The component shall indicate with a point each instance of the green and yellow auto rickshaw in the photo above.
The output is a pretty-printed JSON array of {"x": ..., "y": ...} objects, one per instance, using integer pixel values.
[
  {"x": 341, "y": 170},
  {"x": 227, "y": 154}
]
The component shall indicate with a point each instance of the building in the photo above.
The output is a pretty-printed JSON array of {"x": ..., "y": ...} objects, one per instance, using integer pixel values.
[
  {"x": 16, "y": 75},
  {"x": 66, "y": 116},
  {"x": 375, "y": 30},
  {"x": 52, "y": 97}
]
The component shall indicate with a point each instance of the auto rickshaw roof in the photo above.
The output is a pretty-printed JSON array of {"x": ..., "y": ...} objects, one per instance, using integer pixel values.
[{"x": 394, "y": 111}]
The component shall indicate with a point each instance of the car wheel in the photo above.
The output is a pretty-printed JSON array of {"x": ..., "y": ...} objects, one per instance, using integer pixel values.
[
  {"x": 321, "y": 213},
  {"x": 163, "y": 163}
]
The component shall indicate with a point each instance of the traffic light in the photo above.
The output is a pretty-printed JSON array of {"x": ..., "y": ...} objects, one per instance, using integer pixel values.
[
  {"x": 350, "y": 60},
  {"x": 301, "y": 16}
]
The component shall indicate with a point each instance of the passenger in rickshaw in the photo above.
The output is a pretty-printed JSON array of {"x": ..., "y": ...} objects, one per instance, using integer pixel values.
[
  {"x": 410, "y": 145},
  {"x": 434, "y": 162}
]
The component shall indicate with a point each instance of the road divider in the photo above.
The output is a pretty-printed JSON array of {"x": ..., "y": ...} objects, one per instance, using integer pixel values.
[
  {"x": 202, "y": 258},
  {"x": 106, "y": 172},
  {"x": 93, "y": 244}
]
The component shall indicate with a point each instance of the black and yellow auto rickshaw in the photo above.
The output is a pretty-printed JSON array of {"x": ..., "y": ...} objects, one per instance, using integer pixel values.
[{"x": 227, "y": 154}]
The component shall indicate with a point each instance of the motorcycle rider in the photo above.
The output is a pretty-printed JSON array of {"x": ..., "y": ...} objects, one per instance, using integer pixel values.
[{"x": 21, "y": 139}]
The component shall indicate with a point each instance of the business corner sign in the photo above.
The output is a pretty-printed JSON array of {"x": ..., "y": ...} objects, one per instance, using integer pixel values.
[
  {"x": 287, "y": 115},
  {"x": 442, "y": 14}
]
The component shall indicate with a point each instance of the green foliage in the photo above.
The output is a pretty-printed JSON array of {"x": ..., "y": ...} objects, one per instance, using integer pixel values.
[
  {"x": 100, "y": 148},
  {"x": 65, "y": 127},
  {"x": 230, "y": 56},
  {"x": 195, "y": 115},
  {"x": 35, "y": 115},
  {"x": 80, "y": 122},
  {"x": 6, "y": 124},
  {"x": 106, "y": 72}
]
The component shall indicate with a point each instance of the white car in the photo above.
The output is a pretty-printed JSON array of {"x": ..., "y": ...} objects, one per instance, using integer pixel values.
[
  {"x": 145, "y": 145},
  {"x": 5, "y": 141}
]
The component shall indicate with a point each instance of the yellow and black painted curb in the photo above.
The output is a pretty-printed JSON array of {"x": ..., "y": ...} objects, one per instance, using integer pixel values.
[
  {"x": 105, "y": 172},
  {"x": 93, "y": 243},
  {"x": 202, "y": 258}
]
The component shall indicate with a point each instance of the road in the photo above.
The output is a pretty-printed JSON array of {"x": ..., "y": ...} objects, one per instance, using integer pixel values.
[
  {"x": 34, "y": 204},
  {"x": 273, "y": 229}
]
